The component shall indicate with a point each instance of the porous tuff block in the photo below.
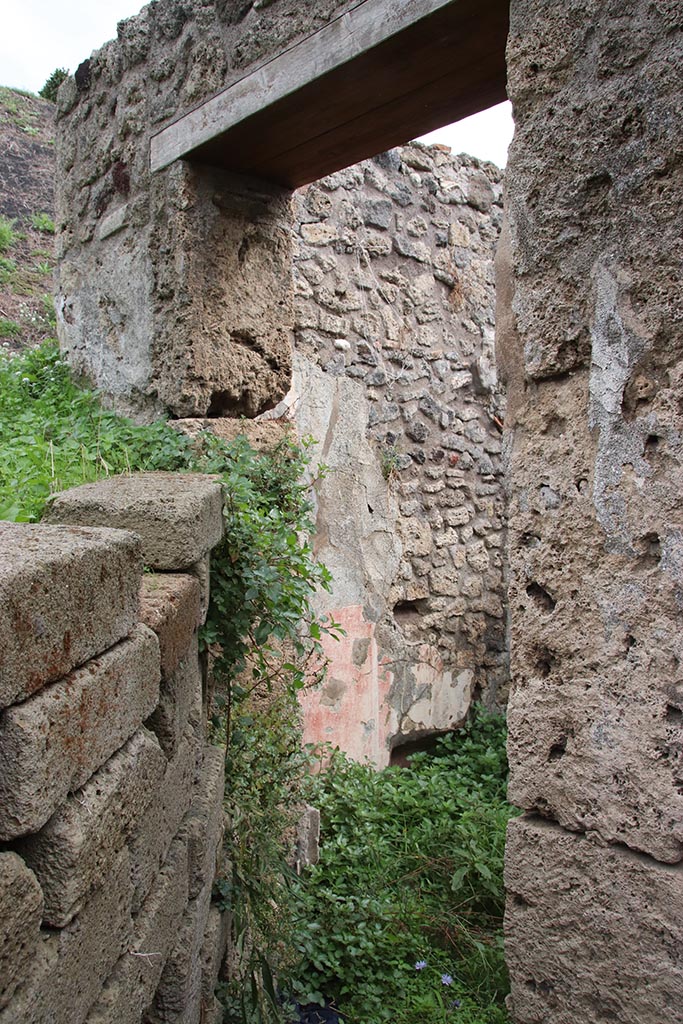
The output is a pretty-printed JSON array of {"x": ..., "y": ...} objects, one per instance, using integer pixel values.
[
  {"x": 21, "y": 905},
  {"x": 66, "y": 595},
  {"x": 203, "y": 826},
  {"x": 169, "y": 604},
  {"x": 179, "y": 702},
  {"x": 573, "y": 910},
  {"x": 213, "y": 952},
  {"x": 179, "y": 516},
  {"x": 130, "y": 988},
  {"x": 51, "y": 744},
  {"x": 73, "y": 852},
  {"x": 213, "y": 1012},
  {"x": 178, "y": 999},
  {"x": 71, "y": 965},
  {"x": 160, "y": 823}
]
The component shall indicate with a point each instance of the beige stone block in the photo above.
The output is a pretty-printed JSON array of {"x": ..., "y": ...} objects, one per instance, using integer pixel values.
[
  {"x": 177, "y": 701},
  {"x": 72, "y": 853},
  {"x": 130, "y": 988},
  {"x": 152, "y": 838},
  {"x": 170, "y": 605},
  {"x": 214, "y": 948},
  {"x": 593, "y": 932},
  {"x": 52, "y": 743},
  {"x": 66, "y": 595},
  {"x": 179, "y": 516},
  {"x": 178, "y": 998},
  {"x": 71, "y": 965},
  {"x": 21, "y": 905},
  {"x": 203, "y": 826}
]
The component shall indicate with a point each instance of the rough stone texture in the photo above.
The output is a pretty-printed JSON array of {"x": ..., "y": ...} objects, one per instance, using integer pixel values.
[
  {"x": 173, "y": 290},
  {"x": 72, "y": 853},
  {"x": 178, "y": 516},
  {"x": 157, "y": 829},
  {"x": 593, "y": 933},
  {"x": 21, "y": 905},
  {"x": 596, "y": 542},
  {"x": 71, "y": 965},
  {"x": 52, "y": 743},
  {"x": 130, "y": 988},
  {"x": 169, "y": 605},
  {"x": 180, "y": 694},
  {"x": 66, "y": 594},
  {"x": 213, "y": 952},
  {"x": 394, "y": 376},
  {"x": 202, "y": 828},
  {"x": 178, "y": 999}
]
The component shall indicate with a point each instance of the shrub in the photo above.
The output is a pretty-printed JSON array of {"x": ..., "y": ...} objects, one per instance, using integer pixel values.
[{"x": 51, "y": 87}]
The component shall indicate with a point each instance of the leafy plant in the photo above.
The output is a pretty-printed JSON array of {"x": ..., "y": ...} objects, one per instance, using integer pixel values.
[
  {"x": 7, "y": 269},
  {"x": 43, "y": 222},
  {"x": 51, "y": 87},
  {"x": 410, "y": 874},
  {"x": 8, "y": 236},
  {"x": 9, "y": 328}
]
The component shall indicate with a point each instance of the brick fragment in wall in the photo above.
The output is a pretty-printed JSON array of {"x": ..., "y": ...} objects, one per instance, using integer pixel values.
[
  {"x": 574, "y": 905},
  {"x": 203, "y": 825},
  {"x": 179, "y": 696},
  {"x": 52, "y": 743},
  {"x": 152, "y": 838},
  {"x": 179, "y": 516},
  {"x": 178, "y": 998},
  {"x": 73, "y": 852},
  {"x": 71, "y": 965},
  {"x": 66, "y": 595},
  {"x": 130, "y": 987},
  {"x": 170, "y": 605},
  {"x": 21, "y": 905}
]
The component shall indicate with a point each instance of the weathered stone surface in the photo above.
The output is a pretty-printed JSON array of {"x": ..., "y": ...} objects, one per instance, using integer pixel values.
[
  {"x": 177, "y": 515},
  {"x": 72, "y": 964},
  {"x": 152, "y": 838},
  {"x": 202, "y": 828},
  {"x": 213, "y": 952},
  {"x": 130, "y": 988},
  {"x": 66, "y": 595},
  {"x": 178, "y": 998},
  {"x": 179, "y": 701},
  {"x": 21, "y": 905},
  {"x": 52, "y": 743},
  {"x": 72, "y": 853},
  {"x": 593, "y": 932},
  {"x": 169, "y": 605},
  {"x": 593, "y": 329}
]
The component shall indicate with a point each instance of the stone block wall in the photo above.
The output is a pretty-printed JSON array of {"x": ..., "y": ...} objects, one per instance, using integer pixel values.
[
  {"x": 590, "y": 335},
  {"x": 394, "y": 377},
  {"x": 174, "y": 288},
  {"x": 111, "y": 799}
]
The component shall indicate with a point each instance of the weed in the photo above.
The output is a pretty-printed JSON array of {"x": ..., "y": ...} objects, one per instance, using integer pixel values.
[
  {"x": 7, "y": 269},
  {"x": 43, "y": 222},
  {"x": 389, "y": 457},
  {"x": 9, "y": 328},
  {"x": 44, "y": 267},
  {"x": 8, "y": 236}
]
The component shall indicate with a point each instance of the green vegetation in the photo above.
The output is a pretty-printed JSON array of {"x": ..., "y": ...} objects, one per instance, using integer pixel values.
[
  {"x": 401, "y": 920},
  {"x": 51, "y": 87},
  {"x": 9, "y": 328},
  {"x": 8, "y": 236},
  {"x": 43, "y": 222},
  {"x": 7, "y": 270}
]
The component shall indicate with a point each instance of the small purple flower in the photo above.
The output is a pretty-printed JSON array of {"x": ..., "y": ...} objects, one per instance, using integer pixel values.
[
  {"x": 446, "y": 979},
  {"x": 456, "y": 1004},
  {"x": 420, "y": 965}
]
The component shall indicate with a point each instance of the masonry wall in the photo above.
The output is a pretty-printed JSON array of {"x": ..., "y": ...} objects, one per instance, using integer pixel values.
[
  {"x": 590, "y": 337},
  {"x": 111, "y": 799},
  {"x": 173, "y": 289},
  {"x": 393, "y": 375}
]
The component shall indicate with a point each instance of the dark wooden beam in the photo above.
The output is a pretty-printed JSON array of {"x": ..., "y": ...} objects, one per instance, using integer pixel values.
[{"x": 425, "y": 64}]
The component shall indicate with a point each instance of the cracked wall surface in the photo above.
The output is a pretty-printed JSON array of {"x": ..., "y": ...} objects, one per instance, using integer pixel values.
[{"x": 591, "y": 339}]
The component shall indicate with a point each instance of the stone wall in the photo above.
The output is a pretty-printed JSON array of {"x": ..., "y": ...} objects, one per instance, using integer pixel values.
[
  {"x": 394, "y": 378},
  {"x": 111, "y": 801},
  {"x": 174, "y": 288},
  {"x": 590, "y": 335}
]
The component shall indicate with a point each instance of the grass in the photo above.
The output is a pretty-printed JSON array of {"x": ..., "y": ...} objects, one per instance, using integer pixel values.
[
  {"x": 43, "y": 222},
  {"x": 8, "y": 236}
]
